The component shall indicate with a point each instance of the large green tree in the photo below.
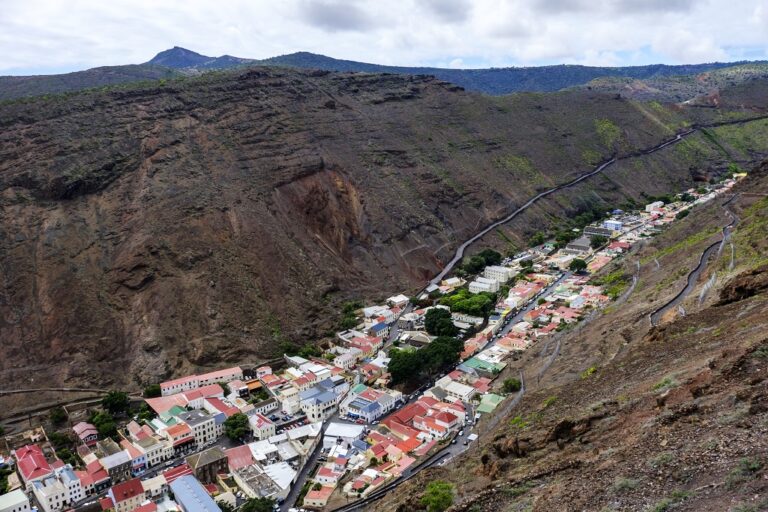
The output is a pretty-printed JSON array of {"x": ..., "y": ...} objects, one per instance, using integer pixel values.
[
  {"x": 152, "y": 391},
  {"x": 116, "y": 402},
  {"x": 596, "y": 241},
  {"x": 577, "y": 265},
  {"x": 438, "y": 322},
  {"x": 258, "y": 505},
  {"x": 236, "y": 426}
]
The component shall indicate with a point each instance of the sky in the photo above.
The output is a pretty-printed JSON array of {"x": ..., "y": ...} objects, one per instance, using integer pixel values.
[{"x": 55, "y": 36}]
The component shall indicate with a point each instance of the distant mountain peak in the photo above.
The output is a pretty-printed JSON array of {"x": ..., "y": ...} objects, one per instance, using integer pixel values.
[{"x": 178, "y": 57}]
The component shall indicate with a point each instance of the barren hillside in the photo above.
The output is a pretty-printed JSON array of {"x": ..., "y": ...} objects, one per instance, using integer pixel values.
[{"x": 150, "y": 230}]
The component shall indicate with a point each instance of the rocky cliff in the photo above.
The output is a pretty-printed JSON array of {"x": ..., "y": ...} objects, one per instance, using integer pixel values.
[{"x": 150, "y": 230}]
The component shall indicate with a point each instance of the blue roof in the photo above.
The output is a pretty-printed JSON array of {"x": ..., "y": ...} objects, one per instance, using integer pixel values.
[
  {"x": 360, "y": 445},
  {"x": 192, "y": 496},
  {"x": 379, "y": 326}
]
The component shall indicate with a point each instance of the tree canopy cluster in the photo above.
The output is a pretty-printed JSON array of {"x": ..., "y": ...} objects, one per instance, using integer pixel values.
[
  {"x": 596, "y": 241},
  {"x": 479, "y": 304},
  {"x": 116, "y": 402},
  {"x": 152, "y": 391},
  {"x": 577, "y": 265},
  {"x": 438, "y": 322},
  {"x": 236, "y": 426},
  {"x": 416, "y": 366},
  {"x": 104, "y": 423},
  {"x": 481, "y": 260},
  {"x": 258, "y": 505}
]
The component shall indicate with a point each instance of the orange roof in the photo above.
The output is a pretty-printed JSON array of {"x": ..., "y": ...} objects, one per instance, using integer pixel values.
[
  {"x": 409, "y": 445},
  {"x": 132, "y": 450},
  {"x": 178, "y": 430}
]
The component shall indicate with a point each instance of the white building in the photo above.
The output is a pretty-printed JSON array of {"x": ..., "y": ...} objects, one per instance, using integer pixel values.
[
  {"x": 172, "y": 387},
  {"x": 615, "y": 225},
  {"x": 203, "y": 426},
  {"x": 483, "y": 284},
  {"x": 499, "y": 273},
  {"x": 654, "y": 206},
  {"x": 14, "y": 501},
  {"x": 153, "y": 449},
  {"x": 261, "y": 426},
  {"x": 459, "y": 391},
  {"x": 398, "y": 300},
  {"x": 59, "y": 491},
  {"x": 342, "y": 433}
]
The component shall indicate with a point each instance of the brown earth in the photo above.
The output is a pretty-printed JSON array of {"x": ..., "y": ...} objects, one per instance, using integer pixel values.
[
  {"x": 673, "y": 417},
  {"x": 153, "y": 230}
]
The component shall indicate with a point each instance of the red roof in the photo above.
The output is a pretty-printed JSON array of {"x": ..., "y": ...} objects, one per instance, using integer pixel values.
[
  {"x": 84, "y": 477},
  {"x": 446, "y": 417},
  {"x": 97, "y": 471},
  {"x": 179, "y": 430},
  {"x": 177, "y": 472},
  {"x": 106, "y": 504},
  {"x": 406, "y": 414},
  {"x": 149, "y": 507},
  {"x": 32, "y": 463},
  {"x": 239, "y": 457},
  {"x": 127, "y": 490},
  {"x": 84, "y": 430}
]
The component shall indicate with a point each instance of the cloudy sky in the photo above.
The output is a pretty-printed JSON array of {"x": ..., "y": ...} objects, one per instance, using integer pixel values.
[{"x": 53, "y": 36}]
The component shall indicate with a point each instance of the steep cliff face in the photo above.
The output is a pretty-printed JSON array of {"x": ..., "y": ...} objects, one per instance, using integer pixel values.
[{"x": 148, "y": 231}]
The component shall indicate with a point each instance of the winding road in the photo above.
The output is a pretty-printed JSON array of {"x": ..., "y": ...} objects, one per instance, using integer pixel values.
[
  {"x": 693, "y": 276},
  {"x": 459, "y": 254}
]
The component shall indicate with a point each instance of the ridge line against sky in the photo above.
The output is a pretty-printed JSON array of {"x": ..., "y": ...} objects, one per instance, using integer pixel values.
[{"x": 57, "y": 36}]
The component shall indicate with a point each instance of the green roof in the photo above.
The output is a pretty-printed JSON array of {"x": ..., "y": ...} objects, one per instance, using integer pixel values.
[
  {"x": 479, "y": 364},
  {"x": 489, "y": 402},
  {"x": 359, "y": 388}
]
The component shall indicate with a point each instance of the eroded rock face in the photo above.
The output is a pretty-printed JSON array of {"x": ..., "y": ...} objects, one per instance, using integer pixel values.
[{"x": 147, "y": 232}]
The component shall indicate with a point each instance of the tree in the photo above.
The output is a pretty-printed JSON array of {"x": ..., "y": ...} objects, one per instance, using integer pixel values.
[
  {"x": 473, "y": 265},
  {"x": 116, "y": 402},
  {"x": 511, "y": 385},
  {"x": 577, "y": 265},
  {"x": 104, "y": 424},
  {"x": 258, "y": 505},
  {"x": 317, "y": 486},
  {"x": 225, "y": 507},
  {"x": 433, "y": 317},
  {"x": 236, "y": 426},
  {"x": 58, "y": 415},
  {"x": 596, "y": 241},
  {"x": 59, "y": 440},
  {"x": 374, "y": 461},
  {"x": 146, "y": 413},
  {"x": 152, "y": 391},
  {"x": 538, "y": 238},
  {"x": 490, "y": 257},
  {"x": 438, "y": 496},
  {"x": 526, "y": 264}
]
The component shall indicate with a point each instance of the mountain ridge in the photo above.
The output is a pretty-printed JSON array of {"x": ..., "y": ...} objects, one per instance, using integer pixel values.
[{"x": 179, "y": 62}]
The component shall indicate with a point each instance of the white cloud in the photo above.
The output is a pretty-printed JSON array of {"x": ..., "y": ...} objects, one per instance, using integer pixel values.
[{"x": 54, "y": 35}]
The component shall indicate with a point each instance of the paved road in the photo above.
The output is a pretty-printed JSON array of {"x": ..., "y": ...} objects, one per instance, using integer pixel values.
[
  {"x": 693, "y": 276},
  {"x": 459, "y": 254}
]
